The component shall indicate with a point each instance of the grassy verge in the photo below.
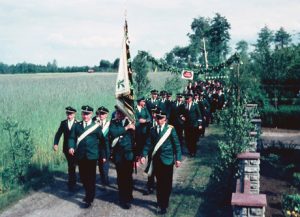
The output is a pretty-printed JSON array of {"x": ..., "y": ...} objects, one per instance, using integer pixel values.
[
  {"x": 39, "y": 178},
  {"x": 194, "y": 195}
]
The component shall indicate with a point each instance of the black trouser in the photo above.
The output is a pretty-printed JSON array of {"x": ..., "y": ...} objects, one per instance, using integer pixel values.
[
  {"x": 71, "y": 169},
  {"x": 191, "y": 138},
  {"x": 164, "y": 176},
  {"x": 124, "y": 180},
  {"x": 87, "y": 172},
  {"x": 103, "y": 170},
  {"x": 140, "y": 142},
  {"x": 179, "y": 132},
  {"x": 150, "y": 182}
]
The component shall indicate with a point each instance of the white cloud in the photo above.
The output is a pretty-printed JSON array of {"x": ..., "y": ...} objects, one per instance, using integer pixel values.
[{"x": 81, "y": 32}]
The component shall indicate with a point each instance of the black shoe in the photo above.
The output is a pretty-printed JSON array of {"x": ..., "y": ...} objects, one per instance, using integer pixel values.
[
  {"x": 125, "y": 205},
  {"x": 84, "y": 200},
  {"x": 72, "y": 188},
  {"x": 162, "y": 211},
  {"x": 192, "y": 154},
  {"x": 87, "y": 205},
  {"x": 148, "y": 191}
]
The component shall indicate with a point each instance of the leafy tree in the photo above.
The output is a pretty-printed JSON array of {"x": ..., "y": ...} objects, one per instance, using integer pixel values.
[
  {"x": 282, "y": 38},
  {"x": 242, "y": 48},
  {"x": 104, "y": 65},
  {"x": 141, "y": 68},
  {"x": 219, "y": 37},
  {"x": 115, "y": 65},
  {"x": 200, "y": 27},
  {"x": 178, "y": 56},
  {"x": 265, "y": 39}
]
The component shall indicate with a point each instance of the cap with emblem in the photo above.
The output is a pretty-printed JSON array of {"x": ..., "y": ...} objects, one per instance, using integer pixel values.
[
  {"x": 86, "y": 109},
  {"x": 179, "y": 95},
  {"x": 155, "y": 110},
  {"x": 169, "y": 94},
  {"x": 160, "y": 115},
  {"x": 163, "y": 93},
  {"x": 154, "y": 91},
  {"x": 102, "y": 110},
  {"x": 188, "y": 95},
  {"x": 140, "y": 99},
  {"x": 70, "y": 110}
]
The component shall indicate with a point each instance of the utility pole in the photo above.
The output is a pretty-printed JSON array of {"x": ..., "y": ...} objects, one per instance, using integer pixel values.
[{"x": 205, "y": 56}]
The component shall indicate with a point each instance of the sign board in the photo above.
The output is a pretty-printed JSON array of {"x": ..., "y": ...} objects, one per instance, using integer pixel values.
[{"x": 188, "y": 75}]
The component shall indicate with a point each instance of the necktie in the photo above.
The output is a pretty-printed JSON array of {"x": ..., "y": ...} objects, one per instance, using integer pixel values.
[
  {"x": 84, "y": 124},
  {"x": 159, "y": 130}
]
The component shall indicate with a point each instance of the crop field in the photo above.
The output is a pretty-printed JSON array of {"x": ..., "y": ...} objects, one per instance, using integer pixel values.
[{"x": 37, "y": 102}]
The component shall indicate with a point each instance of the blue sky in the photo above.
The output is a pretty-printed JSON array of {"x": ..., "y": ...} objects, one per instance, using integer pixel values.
[{"x": 82, "y": 32}]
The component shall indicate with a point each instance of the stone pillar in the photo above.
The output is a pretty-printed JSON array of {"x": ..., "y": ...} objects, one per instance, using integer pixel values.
[
  {"x": 249, "y": 163},
  {"x": 252, "y": 146},
  {"x": 257, "y": 124},
  {"x": 248, "y": 205}
]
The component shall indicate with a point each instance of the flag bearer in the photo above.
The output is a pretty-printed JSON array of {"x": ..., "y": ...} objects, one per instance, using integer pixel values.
[{"x": 121, "y": 133}]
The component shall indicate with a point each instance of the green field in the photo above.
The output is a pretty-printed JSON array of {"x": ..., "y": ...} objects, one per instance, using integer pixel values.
[{"x": 38, "y": 102}]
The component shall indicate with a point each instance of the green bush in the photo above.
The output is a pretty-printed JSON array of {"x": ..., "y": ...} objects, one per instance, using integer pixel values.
[
  {"x": 17, "y": 155},
  {"x": 287, "y": 117},
  {"x": 291, "y": 203},
  {"x": 296, "y": 179}
]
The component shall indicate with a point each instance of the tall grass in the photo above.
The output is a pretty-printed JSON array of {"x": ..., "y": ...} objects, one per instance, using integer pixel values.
[{"x": 37, "y": 102}]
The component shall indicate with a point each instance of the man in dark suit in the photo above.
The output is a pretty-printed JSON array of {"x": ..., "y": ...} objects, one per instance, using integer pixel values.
[
  {"x": 164, "y": 148},
  {"x": 153, "y": 101},
  {"x": 163, "y": 104},
  {"x": 151, "y": 180},
  {"x": 199, "y": 100},
  {"x": 121, "y": 133},
  {"x": 87, "y": 143},
  {"x": 214, "y": 104},
  {"x": 177, "y": 108},
  {"x": 143, "y": 120},
  {"x": 192, "y": 123},
  {"x": 65, "y": 129},
  {"x": 102, "y": 119}
]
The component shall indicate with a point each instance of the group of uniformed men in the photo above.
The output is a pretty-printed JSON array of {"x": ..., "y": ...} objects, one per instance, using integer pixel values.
[{"x": 156, "y": 135}]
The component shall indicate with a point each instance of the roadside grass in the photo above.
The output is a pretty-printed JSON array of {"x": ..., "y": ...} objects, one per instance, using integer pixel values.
[
  {"x": 38, "y": 102},
  {"x": 194, "y": 193},
  {"x": 38, "y": 178}
]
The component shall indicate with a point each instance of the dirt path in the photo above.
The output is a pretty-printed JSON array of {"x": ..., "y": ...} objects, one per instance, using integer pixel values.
[{"x": 55, "y": 200}]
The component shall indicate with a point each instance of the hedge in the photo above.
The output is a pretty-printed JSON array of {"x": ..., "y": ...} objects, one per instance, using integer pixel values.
[{"x": 287, "y": 117}]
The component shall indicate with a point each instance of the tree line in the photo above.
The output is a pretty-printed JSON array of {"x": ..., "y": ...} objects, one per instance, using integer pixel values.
[{"x": 23, "y": 68}]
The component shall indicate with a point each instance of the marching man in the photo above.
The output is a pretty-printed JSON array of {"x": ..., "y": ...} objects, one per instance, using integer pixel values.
[
  {"x": 65, "y": 128},
  {"x": 164, "y": 148},
  {"x": 101, "y": 118},
  {"x": 87, "y": 142}
]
